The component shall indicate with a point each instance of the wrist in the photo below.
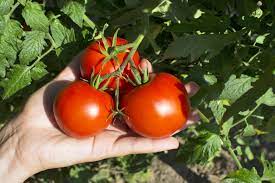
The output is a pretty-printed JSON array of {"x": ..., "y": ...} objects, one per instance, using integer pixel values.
[{"x": 12, "y": 168}]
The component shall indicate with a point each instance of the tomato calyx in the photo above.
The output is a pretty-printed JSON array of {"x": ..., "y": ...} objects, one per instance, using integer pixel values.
[
  {"x": 111, "y": 54},
  {"x": 141, "y": 76}
]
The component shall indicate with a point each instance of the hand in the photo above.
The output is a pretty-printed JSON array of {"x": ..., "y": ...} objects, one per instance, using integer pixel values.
[{"x": 32, "y": 142}]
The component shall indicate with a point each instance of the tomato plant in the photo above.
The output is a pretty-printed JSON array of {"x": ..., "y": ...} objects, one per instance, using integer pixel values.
[
  {"x": 82, "y": 111},
  {"x": 226, "y": 46},
  {"x": 156, "y": 112},
  {"x": 94, "y": 55}
]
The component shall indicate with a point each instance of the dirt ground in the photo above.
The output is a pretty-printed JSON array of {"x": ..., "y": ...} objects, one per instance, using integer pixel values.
[{"x": 166, "y": 170}]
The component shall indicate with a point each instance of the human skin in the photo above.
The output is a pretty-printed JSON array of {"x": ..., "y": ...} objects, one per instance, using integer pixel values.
[{"x": 32, "y": 142}]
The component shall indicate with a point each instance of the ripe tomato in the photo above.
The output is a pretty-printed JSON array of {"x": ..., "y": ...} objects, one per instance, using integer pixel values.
[
  {"x": 92, "y": 59},
  {"x": 82, "y": 111},
  {"x": 158, "y": 108}
]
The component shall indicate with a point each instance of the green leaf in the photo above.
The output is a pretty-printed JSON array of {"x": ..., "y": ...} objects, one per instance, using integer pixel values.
[
  {"x": 75, "y": 10},
  {"x": 201, "y": 149},
  {"x": 249, "y": 130},
  {"x": 33, "y": 46},
  {"x": 268, "y": 98},
  {"x": 243, "y": 176},
  {"x": 17, "y": 78},
  {"x": 10, "y": 44},
  {"x": 261, "y": 38},
  {"x": 7, "y": 51},
  {"x": 3, "y": 65},
  {"x": 38, "y": 71},
  {"x": 248, "y": 153},
  {"x": 210, "y": 79},
  {"x": 226, "y": 126},
  {"x": 60, "y": 33},
  {"x": 197, "y": 45},
  {"x": 172, "y": 10},
  {"x": 269, "y": 171},
  {"x": 5, "y": 6},
  {"x": 35, "y": 17},
  {"x": 235, "y": 87},
  {"x": 217, "y": 109},
  {"x": 206, "y": 23}
]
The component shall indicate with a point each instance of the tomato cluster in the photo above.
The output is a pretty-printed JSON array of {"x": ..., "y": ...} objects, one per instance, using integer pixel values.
[{"x": 155, "y": 109}]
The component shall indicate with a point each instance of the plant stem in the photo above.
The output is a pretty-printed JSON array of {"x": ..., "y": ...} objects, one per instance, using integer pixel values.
[
  {"x": 13, "y": 9},
  {"x": 254, "y": 56},
  {"x": 203, "y": 117},
  {"x": 42, "y": 56},
  {"x": 246, "y": 117},
  {"x": 89, "y": 21},
  {"x": 235, "y": 158},
  {"x": 51, "y": 40},
  {"x": 129, "y": 58}
]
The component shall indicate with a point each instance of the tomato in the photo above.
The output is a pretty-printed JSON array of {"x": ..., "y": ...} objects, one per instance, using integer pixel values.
[
  {"x": 157, "y": 109},
  {"x": 92, "y": 60},
  {"x": 82, "y": 111}
]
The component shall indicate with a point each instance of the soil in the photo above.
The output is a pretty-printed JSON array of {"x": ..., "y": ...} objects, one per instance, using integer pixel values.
[{"x": 166, "y": 170}]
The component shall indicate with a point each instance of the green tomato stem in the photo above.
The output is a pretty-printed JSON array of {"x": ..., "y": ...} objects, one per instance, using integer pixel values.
[
  {"x": 129, "y": 57},
  {"x": 12, "y": 9},
  {"x": 89, "y": 21},
  {"x": 235, "y": 158}
]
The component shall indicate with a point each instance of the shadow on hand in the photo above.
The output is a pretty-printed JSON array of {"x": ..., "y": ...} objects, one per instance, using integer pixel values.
[{"x": 50, "y": 93}]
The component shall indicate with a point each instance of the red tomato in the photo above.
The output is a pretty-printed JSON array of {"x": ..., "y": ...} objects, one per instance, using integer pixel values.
[
  {"x": 92, "y": 59},
  {"x": 82, "y": 111},
  {"x": 158, "y": 108}
]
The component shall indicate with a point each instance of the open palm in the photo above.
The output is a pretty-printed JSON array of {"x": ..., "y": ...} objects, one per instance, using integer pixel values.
[{"x": 44, "y": 146}]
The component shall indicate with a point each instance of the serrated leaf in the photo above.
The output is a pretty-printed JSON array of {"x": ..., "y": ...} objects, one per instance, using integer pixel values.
[
  {"x": 163, "y": 7},
  {"x": 35, "y": 17},
  {"x": 249, "y": 130},
  {"x": 217, "y": 109},
  {"x": 210, "y": 79},
  {"x": 12, "y": 29},
  {"x": 38, "y": 71},
  {"x": 17, "y": 78},
  {"x": 206, "y": 23},
  {"x": 243, "y": 176},
  {"x": 268, "y": 98},
  {"x": 75, "y": 10},
  {"x": 10, "y": 42},
  {"x": 226, "y": 126},
  {"x": 269, "y": 171},
  {"x": 3, "y": 65},
  {"x": 172, "y": 10},
  {"x": 60, "y": 33},
  {"x": 8, "y": 51},
  {"x": 5, "y": 6},
  {"x": 197, "y": 45},
  {"x": 33, "y": 46},
  {"x": 201, "y": 149},
  {"x": 235, "y": 87}
]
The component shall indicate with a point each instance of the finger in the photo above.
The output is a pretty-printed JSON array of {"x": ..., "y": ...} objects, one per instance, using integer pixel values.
[
  {"x": 140, "y": 145},
  {"x": 146, "y": 64},
  {"x": 192, "y": 88},
  {"x": 72, "y": 71}
]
